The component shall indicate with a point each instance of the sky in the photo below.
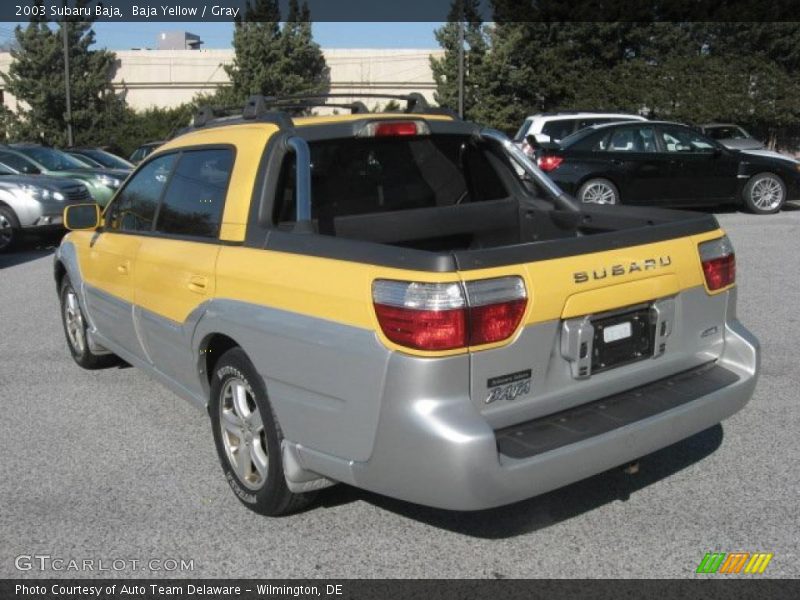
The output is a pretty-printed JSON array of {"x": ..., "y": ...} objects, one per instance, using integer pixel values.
[{"x": 123, "y": 36}]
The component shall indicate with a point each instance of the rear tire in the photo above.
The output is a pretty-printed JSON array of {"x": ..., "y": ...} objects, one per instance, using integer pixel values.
[
  {"x": 764, "y": 194},
  {"x": 248, "y": 438},
  {"x": 74, "y": 322},
  {"x": 9, "y": 229},
  {"x": 599, "y": 191}
]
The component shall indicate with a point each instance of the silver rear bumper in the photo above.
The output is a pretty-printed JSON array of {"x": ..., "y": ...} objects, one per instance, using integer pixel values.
[{"x": 439, "y": 451}]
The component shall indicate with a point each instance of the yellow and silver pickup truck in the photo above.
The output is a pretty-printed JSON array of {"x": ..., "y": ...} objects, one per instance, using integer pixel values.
[{"x": 404, "y": 303}]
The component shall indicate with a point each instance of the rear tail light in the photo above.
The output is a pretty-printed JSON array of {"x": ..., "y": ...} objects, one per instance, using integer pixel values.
[
  {"x": 446, "y": 316},
  {"x": 550, "y": 163},
  {"x": 425, "y": 316},
  {"x": 496, "y": 307},
  {"x": 719, "y": 263},
  {"x": 394, "y": 128}
]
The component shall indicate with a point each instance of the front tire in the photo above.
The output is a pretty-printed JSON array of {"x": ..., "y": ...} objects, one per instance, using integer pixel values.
[
  {"x": 248, "y": 438},
  {"x": 598, "y": 191},
  {"x": 764, "y": 194},
  {"x": 74, "y": 322},
  {"x": 9, "y": 229}
]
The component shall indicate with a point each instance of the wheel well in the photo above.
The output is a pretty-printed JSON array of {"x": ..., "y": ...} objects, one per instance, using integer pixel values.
[
  {"x": 59, "y": 272},
  {"x": 214, "y": 346}
]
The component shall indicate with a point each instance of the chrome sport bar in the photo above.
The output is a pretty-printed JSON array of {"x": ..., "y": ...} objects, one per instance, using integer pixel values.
[
  {"x": 560, "y": 198},
  {"x": 303, "y": 180}
]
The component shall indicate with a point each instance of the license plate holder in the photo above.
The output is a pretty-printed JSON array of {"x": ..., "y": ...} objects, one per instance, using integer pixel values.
[{"x": 622, "y": 339}]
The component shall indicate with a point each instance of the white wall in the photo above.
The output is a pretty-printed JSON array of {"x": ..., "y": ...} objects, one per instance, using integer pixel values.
[{"x": 166, "y": 78}]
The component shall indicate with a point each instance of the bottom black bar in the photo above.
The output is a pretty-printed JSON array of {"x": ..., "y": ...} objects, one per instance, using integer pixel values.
[{"x": 741, "y": 587}]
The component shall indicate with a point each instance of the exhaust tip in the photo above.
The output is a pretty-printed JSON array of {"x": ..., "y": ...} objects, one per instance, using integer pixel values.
[{"x": 631, "y": 468}]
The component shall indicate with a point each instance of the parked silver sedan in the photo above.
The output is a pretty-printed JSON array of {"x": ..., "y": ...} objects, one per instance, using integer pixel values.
[{"x": 34, "y": 204}]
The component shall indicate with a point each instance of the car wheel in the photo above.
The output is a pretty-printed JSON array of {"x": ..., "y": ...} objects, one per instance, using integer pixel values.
[
  {"x": 74, "y": 322},
  {"x": 764, "y": 193},
  {"x": 9, "y": 228},
  {"x": 248, "y": 438},
  {"x": 599, "y": 191}
]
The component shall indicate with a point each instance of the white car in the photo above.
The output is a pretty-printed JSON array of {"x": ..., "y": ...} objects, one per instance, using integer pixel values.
[{"x": 555, "y": 126}]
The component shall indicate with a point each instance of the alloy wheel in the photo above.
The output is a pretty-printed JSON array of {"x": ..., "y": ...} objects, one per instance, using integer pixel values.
[
  {"x": 767, "y": 193},
  {"x": 243, "y": 435},
  {"x": 599, "y": 193},
  {"x": 74, "y": 322}
]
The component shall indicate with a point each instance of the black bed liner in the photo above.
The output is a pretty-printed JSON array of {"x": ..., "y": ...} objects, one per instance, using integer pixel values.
[{"x": 615, "y": 227}]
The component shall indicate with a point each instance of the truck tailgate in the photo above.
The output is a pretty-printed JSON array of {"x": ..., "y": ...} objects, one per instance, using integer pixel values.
[{"x": 598, "y": 324}]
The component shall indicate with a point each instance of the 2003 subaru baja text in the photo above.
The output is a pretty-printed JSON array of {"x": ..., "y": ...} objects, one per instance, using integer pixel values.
[{"x": 402, "y": 302}]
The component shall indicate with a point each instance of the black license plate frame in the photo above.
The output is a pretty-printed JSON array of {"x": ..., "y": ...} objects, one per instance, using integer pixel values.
[{"x": 639, "y": 345}]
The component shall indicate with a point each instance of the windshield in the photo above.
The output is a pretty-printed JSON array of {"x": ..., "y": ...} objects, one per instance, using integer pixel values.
[
  {"x": 727, "y": 133},
  {"x": 106, "y": 159},
  {"x": 52, "y": 159}
]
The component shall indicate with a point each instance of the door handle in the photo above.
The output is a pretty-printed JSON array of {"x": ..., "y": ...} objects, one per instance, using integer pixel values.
[
  {"x": 198, "y": 283},
  {"x": 123, "y": 268}
]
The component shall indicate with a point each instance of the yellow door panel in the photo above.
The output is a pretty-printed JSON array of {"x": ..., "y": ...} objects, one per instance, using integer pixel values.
[
  {"x": 108, "y": 263},
  {"x": 173, "y": 277}
]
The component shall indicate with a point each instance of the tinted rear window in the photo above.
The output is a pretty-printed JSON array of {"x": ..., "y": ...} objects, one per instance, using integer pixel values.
[
  {"x": 371, "y": 175},
  {"x": 558, "y": 130}
]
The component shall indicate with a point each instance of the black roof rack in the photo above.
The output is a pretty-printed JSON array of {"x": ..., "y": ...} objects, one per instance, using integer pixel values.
[{"x": 272, "y": 109}]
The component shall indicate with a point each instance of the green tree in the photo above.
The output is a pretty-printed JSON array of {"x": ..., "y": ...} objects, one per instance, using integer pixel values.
[
  {"x": 36, "y": 78},
  {"x": 274, "y": 60},
  {"x": 445, "y": 68}
]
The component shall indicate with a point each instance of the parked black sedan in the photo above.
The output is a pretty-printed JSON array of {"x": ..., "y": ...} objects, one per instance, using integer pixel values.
[{"x": 668, "y": 164}]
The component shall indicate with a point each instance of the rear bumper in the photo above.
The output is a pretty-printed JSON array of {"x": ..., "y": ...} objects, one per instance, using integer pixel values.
[{"x": 437, "y": 450}]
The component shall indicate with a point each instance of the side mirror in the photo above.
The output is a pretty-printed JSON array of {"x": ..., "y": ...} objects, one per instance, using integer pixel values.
[
  {"x": 82, "y": 217},
  {"x": 532, "y": 141}
]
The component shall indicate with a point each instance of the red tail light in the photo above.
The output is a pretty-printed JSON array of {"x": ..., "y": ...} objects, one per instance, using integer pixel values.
[
  {"x": 394, "y": 128},
  {"x": 397, "y": 128},
  {"x": 550, "y": 163},
  {"x": 445, "y": 316},
  {"x": 719, "y": 263}
]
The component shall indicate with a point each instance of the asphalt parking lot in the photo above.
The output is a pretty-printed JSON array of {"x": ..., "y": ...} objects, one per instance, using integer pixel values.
[{"x": 110, "y": 465}]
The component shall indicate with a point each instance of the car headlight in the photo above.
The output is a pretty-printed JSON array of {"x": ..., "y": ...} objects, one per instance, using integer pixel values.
[
  {"x": 109, "y": 181},
  {"x": 36, "y": 192}
]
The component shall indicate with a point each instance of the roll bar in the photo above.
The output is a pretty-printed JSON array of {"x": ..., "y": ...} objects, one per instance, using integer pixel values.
[
  {"x": 560, "y": 198},
  {"x": 302, "y": 154}
]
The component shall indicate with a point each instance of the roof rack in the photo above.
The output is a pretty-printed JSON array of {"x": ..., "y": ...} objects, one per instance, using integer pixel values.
[
  {"x": 272, "y": 109},
  {"x": 593, "y": 111},
  {"x": 415, "y": 102}
]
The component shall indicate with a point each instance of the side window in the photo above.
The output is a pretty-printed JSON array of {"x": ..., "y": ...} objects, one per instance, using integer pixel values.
[
  {"x": 558, "y": 130},
  {"x": 195, "y": 197},
  {"x": 685, "y": 140},
  {"x": 18, "y": 163},
  {"x": 134, "y": 207},
  {"x": 632, "y": 139}
]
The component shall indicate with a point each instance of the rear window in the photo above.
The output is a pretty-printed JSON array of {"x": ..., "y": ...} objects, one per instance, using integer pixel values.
[
  {"x": 558, "y": 130},
  {"x": 371, "y": 175},
  {"x": 523, "y": 131}
]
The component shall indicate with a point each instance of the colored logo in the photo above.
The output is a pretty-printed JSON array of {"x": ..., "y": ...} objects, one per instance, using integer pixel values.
[{"x": 734, "y": 562}]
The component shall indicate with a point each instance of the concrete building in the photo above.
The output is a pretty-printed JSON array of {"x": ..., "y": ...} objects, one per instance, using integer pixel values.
[
  {"x": 178, "y": 40},
  {"x": 166, "y": 78}
]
